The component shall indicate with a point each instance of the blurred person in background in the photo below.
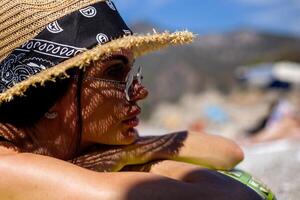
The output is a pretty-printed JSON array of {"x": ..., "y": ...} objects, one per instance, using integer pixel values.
[{"x": 281, "y": 122}]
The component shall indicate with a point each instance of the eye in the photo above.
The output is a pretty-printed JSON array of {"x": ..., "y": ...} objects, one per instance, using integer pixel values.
[{"x": 116, "y": 71}]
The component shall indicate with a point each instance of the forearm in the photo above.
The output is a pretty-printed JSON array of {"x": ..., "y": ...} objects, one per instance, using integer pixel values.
[
  {"x": 145, "y": 149},
  {"x": 200, "y": 149},
  {"x": 171, "y": 169},
  {"x": 212, "y": 184},
  {"x": 209, "y": 151},
  {"x": 28, "y": 176}
]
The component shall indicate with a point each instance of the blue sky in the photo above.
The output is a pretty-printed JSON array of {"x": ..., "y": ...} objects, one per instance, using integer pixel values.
[{"x": 213, "y": 16}]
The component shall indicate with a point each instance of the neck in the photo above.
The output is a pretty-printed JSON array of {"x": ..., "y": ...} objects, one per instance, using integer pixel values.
[{"x": 56, "y": 134}]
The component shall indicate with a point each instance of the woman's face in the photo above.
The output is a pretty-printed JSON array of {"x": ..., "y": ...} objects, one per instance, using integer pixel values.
[{"x": 107, "y": 116}]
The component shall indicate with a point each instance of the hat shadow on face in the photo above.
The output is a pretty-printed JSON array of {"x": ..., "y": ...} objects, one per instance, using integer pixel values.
[
  {"x": 26, "y": 110},
  {"x": 62, "y": 41}
]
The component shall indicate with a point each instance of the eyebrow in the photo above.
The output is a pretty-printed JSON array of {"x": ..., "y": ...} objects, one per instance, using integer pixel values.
[{"x": 124, "y": 59}]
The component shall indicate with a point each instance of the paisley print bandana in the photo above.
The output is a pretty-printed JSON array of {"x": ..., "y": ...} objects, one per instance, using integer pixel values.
[{"x": 62, "y": 39}]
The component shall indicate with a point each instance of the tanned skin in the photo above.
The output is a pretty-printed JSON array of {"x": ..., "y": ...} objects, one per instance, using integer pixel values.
[
  {"x": 106, "y": 122},
  {"x": 109, "y": 142},
  {"x": 106, "y": 113}
]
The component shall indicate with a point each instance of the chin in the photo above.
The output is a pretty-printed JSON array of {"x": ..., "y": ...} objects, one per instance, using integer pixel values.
[
  {"x": 126, "y": 137},
  {"x": 120, "y": 137}
]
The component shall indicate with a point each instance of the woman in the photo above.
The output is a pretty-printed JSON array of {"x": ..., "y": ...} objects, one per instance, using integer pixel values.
[{"x": 60, "y": 136}]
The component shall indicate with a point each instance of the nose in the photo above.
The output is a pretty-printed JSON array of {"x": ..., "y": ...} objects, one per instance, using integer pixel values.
[{"x": 139, "y": 92}]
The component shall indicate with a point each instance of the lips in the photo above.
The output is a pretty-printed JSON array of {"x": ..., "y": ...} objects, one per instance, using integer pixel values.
[{"x": 132, "y": 120}]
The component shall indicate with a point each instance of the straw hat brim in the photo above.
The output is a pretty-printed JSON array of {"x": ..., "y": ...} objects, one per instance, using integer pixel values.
[{"x": 138, "y": 44}]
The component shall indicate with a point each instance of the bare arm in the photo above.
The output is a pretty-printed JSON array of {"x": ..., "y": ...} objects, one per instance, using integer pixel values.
[
  {"x": 214, "y": 185},
  {"x": 210, "y": 151},
  {"x": 200, "y": 149},
  {"x": 29, "y": 176}
]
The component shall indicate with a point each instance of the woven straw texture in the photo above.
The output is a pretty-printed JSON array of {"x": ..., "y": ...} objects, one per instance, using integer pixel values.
[{"x": 22, "y": 20}]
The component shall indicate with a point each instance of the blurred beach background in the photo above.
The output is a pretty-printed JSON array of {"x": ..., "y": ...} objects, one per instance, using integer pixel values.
[{"x": 240, "y": 79}]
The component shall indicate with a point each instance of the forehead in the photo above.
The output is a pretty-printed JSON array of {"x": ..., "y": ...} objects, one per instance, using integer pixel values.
[{"x": 99, "y": 66}]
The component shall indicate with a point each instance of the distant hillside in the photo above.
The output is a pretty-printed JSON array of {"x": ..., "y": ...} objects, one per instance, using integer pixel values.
[
  {"x": 210, "y": 61},
  {"x": 143, "y": 27}
]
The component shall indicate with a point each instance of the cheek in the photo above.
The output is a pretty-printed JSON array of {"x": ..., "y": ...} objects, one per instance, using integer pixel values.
[
  {"x": 98, "y": 103},
  {"x": 103, "y": 108}
]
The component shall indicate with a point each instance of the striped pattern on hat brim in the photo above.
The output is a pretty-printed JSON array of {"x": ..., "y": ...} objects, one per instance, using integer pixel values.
[
  {"x": 138, "y": 44},
  {"x": 22, "y": 20}
]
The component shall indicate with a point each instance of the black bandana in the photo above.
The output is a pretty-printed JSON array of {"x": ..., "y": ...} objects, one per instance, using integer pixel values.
[{"x": 61, "y": 40}]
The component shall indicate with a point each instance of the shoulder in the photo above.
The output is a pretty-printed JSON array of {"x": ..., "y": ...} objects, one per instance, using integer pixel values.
[
  {"x": 6, "y": 147},
  {"x": 5, "y": 150}
]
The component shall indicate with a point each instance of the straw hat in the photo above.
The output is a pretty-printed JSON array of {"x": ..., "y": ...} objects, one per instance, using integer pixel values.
[{"x": 41, "y": 39}]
